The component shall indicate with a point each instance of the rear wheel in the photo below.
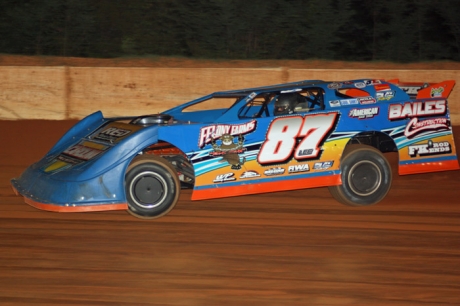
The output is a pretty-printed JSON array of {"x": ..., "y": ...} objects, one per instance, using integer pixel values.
[
  {"x": 366, "y": 176},
  {"x": 152, "y": 187}
]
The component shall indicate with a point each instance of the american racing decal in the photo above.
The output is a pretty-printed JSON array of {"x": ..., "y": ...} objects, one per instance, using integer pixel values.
[
  {"x": 283, "y": 133},
  {"x": 212, "y": 132},
  {"x": 415, "y": 126},
  {"x": 430, "y": 148},
  {"x": 364, "y": 113},
  {"x": 417, "y": 109}
]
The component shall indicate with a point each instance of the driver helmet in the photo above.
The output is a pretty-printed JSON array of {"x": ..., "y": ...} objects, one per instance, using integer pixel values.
[{"x": 286, "y": 103}]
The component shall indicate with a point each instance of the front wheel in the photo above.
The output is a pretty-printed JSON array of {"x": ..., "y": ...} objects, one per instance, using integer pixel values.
[
  {"x": 366, "y": 176},
  {"x": 152, "y": 187}
]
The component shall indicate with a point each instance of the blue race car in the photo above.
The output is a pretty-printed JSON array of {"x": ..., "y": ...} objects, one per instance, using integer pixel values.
[{"x": 283, "y": 137}]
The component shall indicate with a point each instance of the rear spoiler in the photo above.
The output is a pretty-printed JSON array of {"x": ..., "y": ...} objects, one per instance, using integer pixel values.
[{"x": 425, "y": 90}]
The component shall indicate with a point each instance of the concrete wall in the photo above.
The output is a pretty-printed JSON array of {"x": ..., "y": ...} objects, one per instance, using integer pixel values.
[{"x": 73, "y": 92}]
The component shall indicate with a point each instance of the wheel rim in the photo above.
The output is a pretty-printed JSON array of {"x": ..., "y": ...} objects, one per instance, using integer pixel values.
[
  {"x": 364, "y": 178},
  {"x": 148, "y": 189}
]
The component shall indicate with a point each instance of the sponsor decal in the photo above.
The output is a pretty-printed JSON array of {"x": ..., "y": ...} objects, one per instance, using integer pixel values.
[
  {"x": 437, "y": 92},
  {"x": 74, "y": 155},
  {"x": 323, "y": 165},
  {"x": 349, "y": 101},
  {"x": 334, "y": 103},
  {"x": 251, "y": 96},
  {"x": 334, "y": 85},
  {"x": 112, "y": 134},
  {"x": 415, "y": 126},
  {"x": 430, "y": 148},
  {"x": 82, "y": 152},
  {"x": 360, "y": 85},
  {"x": 274, "y": 171},
  {"x": 56, "y": 165},
  {"x": 249, "y": 174},
  {"x": 224, "y": 177},
  {"x": 417, "y": 109},
  {"x": 364, "y": 113},
  {"x": 372, "y": 82},
  {"x": 229, "y": 150},
  {"x": 291, "y": 90},
  {"x": 385, "y": 95},
  {"x": 382, "y": 87},
  {"x": 411, "y": 90},
  {"x": 298, "y": 168},
  {"x": 212, "y": 132},
  {"x": 366, "y": 100}
]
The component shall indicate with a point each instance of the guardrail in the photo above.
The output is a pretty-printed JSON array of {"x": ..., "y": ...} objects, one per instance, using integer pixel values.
[{"x": 59, "y": 93}]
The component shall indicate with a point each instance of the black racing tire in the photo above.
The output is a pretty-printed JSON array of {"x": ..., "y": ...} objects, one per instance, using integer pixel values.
[
  {"x": 366, "y": 176},
  {"x": 152, "y": 187}
]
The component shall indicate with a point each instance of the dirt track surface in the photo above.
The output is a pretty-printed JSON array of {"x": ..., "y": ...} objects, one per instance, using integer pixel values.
[{"x": 286, "y": 248}]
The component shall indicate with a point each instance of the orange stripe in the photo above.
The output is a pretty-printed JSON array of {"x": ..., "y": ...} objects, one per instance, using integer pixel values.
[
  {"x": 429, "y": 167},
  {"x": 222, "y": 191},
  {"x": 58, "y": 208}
]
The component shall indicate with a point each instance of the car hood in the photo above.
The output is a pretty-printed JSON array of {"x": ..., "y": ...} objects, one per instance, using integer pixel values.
[{"x": 94, "y": 146}]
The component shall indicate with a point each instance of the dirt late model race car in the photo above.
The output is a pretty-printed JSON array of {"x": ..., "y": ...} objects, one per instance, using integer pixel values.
[{"x": 283, "y": 137}]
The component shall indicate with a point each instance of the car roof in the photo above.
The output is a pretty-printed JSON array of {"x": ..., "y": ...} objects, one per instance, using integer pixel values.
[{"x": 271, "y": 88}]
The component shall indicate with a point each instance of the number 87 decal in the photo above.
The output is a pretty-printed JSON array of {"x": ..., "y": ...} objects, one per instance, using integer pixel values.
[{"x": 282, "y": 135}]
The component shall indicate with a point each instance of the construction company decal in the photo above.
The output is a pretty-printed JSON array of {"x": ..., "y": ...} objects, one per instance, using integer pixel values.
[
  {"x": 415, "y": 127},
  {"x": 417, "y": 109},
  {"x": 430, "y": 148},
  {"x": 364, "y": 113},
  {"x": 414, "y": 110},
  {"x": 296, "y": 137},
  {"x": 227, "y": 141}
]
